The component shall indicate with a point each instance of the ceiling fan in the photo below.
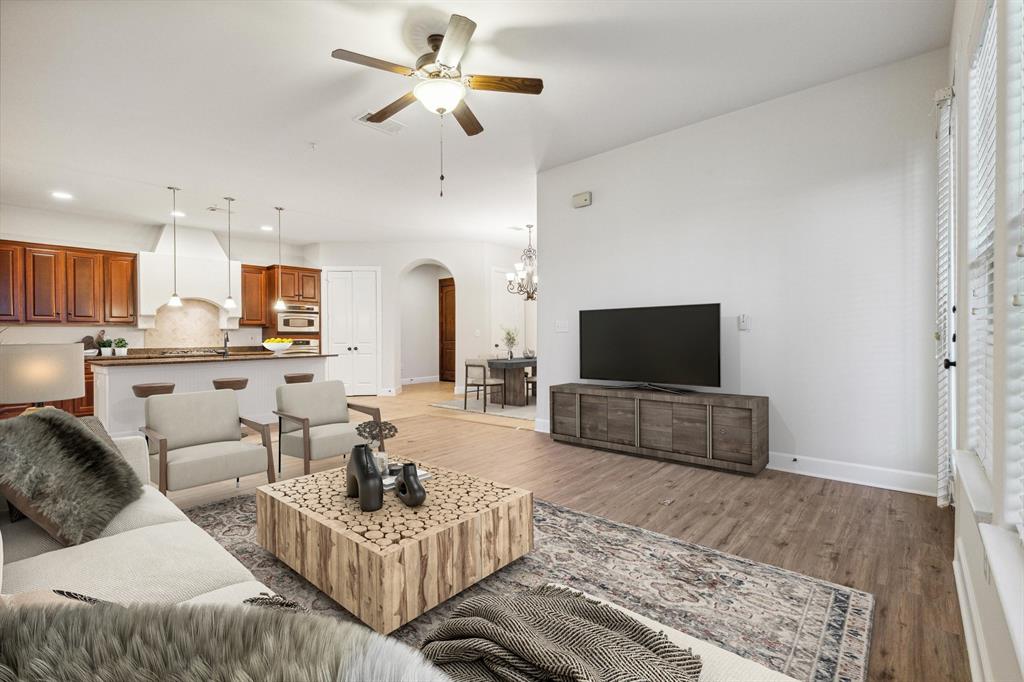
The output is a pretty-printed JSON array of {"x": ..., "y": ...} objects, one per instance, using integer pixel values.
[{"x": 442, "y": 87}]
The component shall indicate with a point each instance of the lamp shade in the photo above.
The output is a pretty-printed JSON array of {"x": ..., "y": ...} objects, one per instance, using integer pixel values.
[
  {"x": 40, "y": 372},
  {"x": 440, "y": 95}
]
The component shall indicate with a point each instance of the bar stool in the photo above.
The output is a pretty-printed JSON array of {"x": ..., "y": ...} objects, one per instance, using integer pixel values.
[
  {"x": 298, "y": 378},
  {"x": 234, "y": 383},
  {"x": 146, "y": 390}
]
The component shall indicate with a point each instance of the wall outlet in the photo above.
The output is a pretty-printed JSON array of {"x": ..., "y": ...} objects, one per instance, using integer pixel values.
[
  {"x": 476, "y": 333},
  {"x": 743, "y": 322}
]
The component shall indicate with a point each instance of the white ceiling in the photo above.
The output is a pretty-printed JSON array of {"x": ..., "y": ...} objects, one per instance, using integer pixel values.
[{"x": 113, "y": 100}]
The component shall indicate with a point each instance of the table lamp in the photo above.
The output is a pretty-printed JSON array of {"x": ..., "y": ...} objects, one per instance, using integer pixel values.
[{"x": 41, "y": 372}]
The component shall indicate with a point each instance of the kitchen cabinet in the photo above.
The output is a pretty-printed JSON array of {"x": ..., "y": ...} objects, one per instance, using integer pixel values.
[
  {"x": 298, "y": 285},
  {"x": 44, "y": 284},
  {"x": 84, "y": 286},
  {"x": 254, "y": 297},
  {"x": 119, "y": 288},
  {"x": 12, "y": 282}
]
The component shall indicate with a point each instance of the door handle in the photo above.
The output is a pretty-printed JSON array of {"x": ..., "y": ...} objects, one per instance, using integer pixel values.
[{"x": 350, "y": 347}]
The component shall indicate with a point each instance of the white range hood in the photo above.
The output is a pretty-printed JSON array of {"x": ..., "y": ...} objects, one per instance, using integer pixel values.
[{"x": 202, "y": 274}]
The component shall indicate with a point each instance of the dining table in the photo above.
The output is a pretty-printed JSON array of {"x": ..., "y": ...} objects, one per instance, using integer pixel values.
[{"x": 513, "y": 370}]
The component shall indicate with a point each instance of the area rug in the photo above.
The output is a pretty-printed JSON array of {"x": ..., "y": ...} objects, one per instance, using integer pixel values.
[
  {"x": 525, "y": 412},
  {"x": 803, "y": 627}
]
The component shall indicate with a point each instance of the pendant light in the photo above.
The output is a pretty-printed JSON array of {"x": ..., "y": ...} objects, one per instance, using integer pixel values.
[
  {"x": 279, "y": 305},
  {"x": 229, "y": 303},
  {"x": 175, "y": 301}
]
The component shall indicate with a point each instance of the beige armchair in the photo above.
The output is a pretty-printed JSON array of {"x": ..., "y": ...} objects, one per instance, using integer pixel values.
[
  {"x": 314, "y": 421},
  {"x": 478, "y": 377},
  {"x": 195, "y": 439}
]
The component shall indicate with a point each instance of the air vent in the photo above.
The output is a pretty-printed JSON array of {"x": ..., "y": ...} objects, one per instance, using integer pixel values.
[{"x": 388, "y": 127}]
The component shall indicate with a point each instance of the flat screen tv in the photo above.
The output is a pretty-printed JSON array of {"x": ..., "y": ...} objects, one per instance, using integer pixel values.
[{"x": 676, "y": 344}]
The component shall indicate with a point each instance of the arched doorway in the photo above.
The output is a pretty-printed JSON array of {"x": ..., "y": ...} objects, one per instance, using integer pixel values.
[{"x": 427, "y": 323}]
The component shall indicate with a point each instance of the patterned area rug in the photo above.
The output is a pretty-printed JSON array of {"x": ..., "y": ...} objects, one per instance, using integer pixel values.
[{"x": 803, "y": 627}]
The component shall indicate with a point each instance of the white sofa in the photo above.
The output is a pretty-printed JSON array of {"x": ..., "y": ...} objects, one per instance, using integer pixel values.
[{"x": 150, "y": 552}]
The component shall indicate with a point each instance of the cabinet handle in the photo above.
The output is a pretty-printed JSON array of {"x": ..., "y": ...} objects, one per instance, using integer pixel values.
[
  {"x": 356, "y": 348},
  {"x": 350, "y": 347}
]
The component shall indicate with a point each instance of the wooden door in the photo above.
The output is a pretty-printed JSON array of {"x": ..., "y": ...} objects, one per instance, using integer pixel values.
[
  {"x": 12, "y": 282},
  {"x": 84, "y": 286},
  {"x": 254, "y": 296},
  {"x": 446, "y": 328},
  {"x": 44, "y": 284},
  {"x": 289, "y": 285},
  {"x": 309, "y": 287},
  {"x": 119, "y": 288}
]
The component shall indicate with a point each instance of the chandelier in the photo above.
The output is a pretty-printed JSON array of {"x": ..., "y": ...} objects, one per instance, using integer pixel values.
[{"x": 523, "y": 282}]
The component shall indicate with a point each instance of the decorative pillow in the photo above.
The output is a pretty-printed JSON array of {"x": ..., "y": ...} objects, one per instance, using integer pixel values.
[{"x": 63, "y": 476}]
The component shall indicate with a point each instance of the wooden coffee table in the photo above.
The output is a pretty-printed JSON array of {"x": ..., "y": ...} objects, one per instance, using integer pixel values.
[{"x": 389, "y": 566}]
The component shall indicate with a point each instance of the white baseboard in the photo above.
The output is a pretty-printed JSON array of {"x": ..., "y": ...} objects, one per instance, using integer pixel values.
[
  {"x": 421, "y": 380},
  {"x": 542, "y": 425},
  {"x": 864, "y": 474}
]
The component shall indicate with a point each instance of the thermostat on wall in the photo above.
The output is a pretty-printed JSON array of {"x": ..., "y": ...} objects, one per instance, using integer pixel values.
[{"x": 582, "y": 200}]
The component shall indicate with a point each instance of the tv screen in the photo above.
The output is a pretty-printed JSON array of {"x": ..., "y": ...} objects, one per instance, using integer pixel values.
[{"x": 663, "y": 345}]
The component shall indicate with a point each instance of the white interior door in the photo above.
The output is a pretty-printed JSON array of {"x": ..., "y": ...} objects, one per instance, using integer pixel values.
[
  {"x": 339, "y": 326},
  {"x": 353, "y": 298},
  {"x": 364, "y": 333}
]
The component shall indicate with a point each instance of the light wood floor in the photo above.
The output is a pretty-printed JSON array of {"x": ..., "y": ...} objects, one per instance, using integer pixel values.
[{"x": 895, "y": 545}]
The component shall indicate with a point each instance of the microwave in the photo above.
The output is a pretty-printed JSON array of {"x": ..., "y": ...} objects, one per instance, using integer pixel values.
[{"x": 299, "y": 319}]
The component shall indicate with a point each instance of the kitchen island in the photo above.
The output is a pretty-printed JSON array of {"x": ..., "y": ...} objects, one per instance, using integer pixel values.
[{"x": 122, "y": 413}]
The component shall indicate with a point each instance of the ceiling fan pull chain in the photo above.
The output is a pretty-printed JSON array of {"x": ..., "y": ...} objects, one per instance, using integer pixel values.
[{"x": 442, "y": 154}]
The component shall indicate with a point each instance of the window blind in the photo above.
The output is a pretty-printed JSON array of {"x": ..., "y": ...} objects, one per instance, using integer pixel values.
[
  {"x": 981, "y": 212},
  {"x": 1014, "y": 486},
  {"x": 944, "y": 276}
]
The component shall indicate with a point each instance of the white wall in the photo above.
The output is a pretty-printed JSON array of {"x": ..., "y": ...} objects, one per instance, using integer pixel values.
[
  {"x": 418, "y": 293},
  {"x": 812, "y": 213},
  {"x": 469, "y": 263}
]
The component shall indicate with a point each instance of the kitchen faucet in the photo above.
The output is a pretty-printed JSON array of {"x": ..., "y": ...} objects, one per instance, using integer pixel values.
[{"x": 225, "y": 351}]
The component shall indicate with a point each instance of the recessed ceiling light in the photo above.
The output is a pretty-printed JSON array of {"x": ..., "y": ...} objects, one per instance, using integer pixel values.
[
  {"x": 267, "y": 228},
  {"x": 63, "y": 196},
  {"x": 178, "y": 214}
]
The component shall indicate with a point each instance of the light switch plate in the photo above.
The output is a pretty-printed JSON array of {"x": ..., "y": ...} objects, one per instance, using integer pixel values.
[
  {"x": 582, "y": 200},
  {"x": 743, "y": 322},
  {"x": 561, "y": 326}
]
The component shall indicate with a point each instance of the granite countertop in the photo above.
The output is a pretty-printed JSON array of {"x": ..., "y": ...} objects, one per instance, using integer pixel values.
[{"x": 130, "y": 360}]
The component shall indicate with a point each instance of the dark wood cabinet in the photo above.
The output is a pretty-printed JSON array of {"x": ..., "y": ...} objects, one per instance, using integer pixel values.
[
  {"x": 297, "y": 285},
  {"x": 44, "y": 284},
  {"x": 254, "y": 297},
  {"x": 119, "y": 288},
  {"x": 12, "y": 282},
  {"x": 84, "y": 278},
  {"x": 711, "y": 429},
  {"x": 40, "y": 283}
]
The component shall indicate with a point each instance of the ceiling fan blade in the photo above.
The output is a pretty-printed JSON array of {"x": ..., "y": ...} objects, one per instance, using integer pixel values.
[
  {"x": 357, "y": 58},
  {"x": 523, "y": 86},
  {"x": 392, "y": 109},
  {"x": 456, "y": 40},
  {"x": 467, "y": 119}
]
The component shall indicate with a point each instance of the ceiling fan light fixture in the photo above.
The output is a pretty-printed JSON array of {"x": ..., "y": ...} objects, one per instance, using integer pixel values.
[{"x": 440, "y": 95}]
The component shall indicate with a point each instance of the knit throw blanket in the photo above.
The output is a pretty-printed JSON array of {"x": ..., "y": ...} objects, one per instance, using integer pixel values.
[{"x": 553, "y": 633}]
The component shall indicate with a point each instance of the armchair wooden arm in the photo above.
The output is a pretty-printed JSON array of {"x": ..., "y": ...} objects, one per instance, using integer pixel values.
[
  {"x": 161, "y": 441},
  {"x": 264, "y": 431},
  {"x": 304, "y": 423},
  {"x": 374, "y": 412}
]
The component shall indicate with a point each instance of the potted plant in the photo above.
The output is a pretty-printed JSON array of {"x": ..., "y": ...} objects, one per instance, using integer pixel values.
[
  {"x": 510, "y": 337},
  {"x": 106, "y": 347},
  {"x": 120, "y": 347},
  {"x": 373, "y": 433}
]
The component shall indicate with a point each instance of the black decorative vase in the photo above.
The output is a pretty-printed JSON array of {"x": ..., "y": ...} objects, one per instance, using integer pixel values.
[
  {"x": 364, "y": 480},
  {"x": 408, "y": 486}
]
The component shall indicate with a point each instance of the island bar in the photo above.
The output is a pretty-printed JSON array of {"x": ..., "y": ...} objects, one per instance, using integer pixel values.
[{"x": 122, "y": 413}]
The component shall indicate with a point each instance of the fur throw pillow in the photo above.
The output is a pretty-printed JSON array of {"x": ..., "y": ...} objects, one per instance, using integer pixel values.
[{"x": 63, "y": 476}]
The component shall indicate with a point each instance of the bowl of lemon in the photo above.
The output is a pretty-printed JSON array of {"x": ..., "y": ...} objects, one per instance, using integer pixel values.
[{"x": 277, "y": 345}]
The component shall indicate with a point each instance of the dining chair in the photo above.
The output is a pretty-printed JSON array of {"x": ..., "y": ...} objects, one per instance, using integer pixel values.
[{"x": 478, "y": 377}]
